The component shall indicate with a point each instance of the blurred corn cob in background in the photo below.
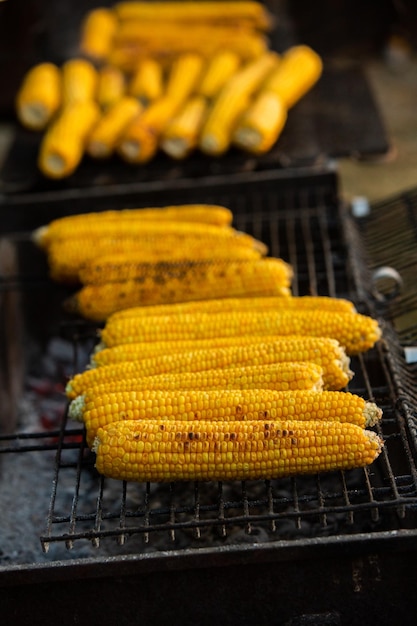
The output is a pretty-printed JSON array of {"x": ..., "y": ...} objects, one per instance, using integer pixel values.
[
  {"x": 203, "y": 73},
  {"x": 39, "y": 96},
  {"x": 63, "y": 145},
  {"x": 105, "y": 135},
  {"x": 111, "y": 86}
]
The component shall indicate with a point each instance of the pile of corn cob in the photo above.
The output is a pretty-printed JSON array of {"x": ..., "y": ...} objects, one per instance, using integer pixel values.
[
  {"x": 217, "y": 372},
  {"x": 173, "y": 77},
  {"x": 229, "y": 397}
]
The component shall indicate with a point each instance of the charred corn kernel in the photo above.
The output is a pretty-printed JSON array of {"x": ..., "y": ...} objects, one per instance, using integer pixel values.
[
  {"x": 181, "y": 135},
  {"x": 79, "y": 81},
  {"x": 219, "y": 69},
  {"x": 160, "y": 450},
  {"x": 354, "y": 331},
  {"x": 39, "y": 96},
  {"x": 254, "y": 14},
  {"x": 147, "y": 82},
  {"x": 224, "y": 405},
  {"x": 111, "y": 86},
  {"x": 323, "y": 351},
  {"x": 140, "y": 141},
  {"x": 261, "y": 124},
  {"x": 160, "y": 261},
  {"x": 97, "y": 32},
  {"x": 63, "y": 145},
  {"x": 63, "y": 227},
  {"x": 299, "y": 70},
  {"x": 163, "y": 283},
  {"x": 104, "y": 136},
  {"x": 277, "y": 376},
  {"x": 135, "y": 351},
  {"x": 264, "y": 303},
  {"x": 231, "y": 102},
  {"x": 67, "y": 258}
]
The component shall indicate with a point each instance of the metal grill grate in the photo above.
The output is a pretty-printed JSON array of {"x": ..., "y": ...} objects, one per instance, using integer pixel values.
[{"x": 307, "y": 226}]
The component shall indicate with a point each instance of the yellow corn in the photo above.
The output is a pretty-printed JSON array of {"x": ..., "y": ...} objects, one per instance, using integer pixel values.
[
  {"x": 277, "y": 376},
  {"x": 323, "y": 351},
  {"x": 354, "y": 331},
  {"x": 104, "y": 136},
  {"x": 39, "y": 96},
  {"x": 144, "y": 350},
  {"x": 152, "y": 228},
  {"x": 140, "y": 140},
  {"x": 220, "y": 68},
  {"x": 147, "y": 82},
  {"x": 220, "y": 305},
  {"x": 67, "y": 258},
  {"x": 161, "y": 260},
  {"x": 79, "y": 81},
  {"x": 168, "y": 282},
  {"x": 181, "y": 134},
  {"x": 233, "y": 99},
  {"x": 299, "y": 70},
  {"x": 261, "y": 124},
  {"x": 158, "y": 450},
  {"x": 63, "y": 227},
  {"x": 63, "y": 144},
  {"x": 97, "y": 32},
  {"x": 224, "y": 405},
  {"x": 254, "y": 14},
  {"x": 110, "y": 86}
]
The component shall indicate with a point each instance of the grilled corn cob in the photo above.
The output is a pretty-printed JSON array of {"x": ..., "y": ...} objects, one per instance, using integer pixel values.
[
  {"x": 224, "y": 405},
  {"x": 168, "y": 282},
  {"x": 278, "y": 376},
  {"x": 354, "y": 331},
  {"x": 181, "y": 134},
  {"x": 79, "y": 81},
  {"x": 104, "y": 136},
  {"x": 219, "y": 69},
  {"x": 135, "y": 351},
  {"x": 261, "y": 124},
  {"x": 233, "y": 99},
  {"x": 63, "y": 144},
  {"x": 254, "y": 14},
  {"x": 323, "y": 351},
  {"x": 97, "y": 32},
  {"x": 238, "y": 304},
  {"x": 68, "y": 257},
  {"x": 64, "y": 227},
  {"x": 158, "y": 450},
  {"x": 39, "y": 96},
  {"x": 140, "y": 140},
  {"x": 147, "y": 82},
  {"x": 111, "y": 86},
  {"x": 299, "y": 70}
]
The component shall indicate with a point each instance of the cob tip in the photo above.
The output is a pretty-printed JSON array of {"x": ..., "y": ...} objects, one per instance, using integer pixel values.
[
  {"x": 372, "y": 413},
  {"x": 38, "y": 236},
  {"x": 75, "y": 409}
]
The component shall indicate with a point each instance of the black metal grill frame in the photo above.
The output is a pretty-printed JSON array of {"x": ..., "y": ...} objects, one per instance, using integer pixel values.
[{"x": 308, "y": 226}]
